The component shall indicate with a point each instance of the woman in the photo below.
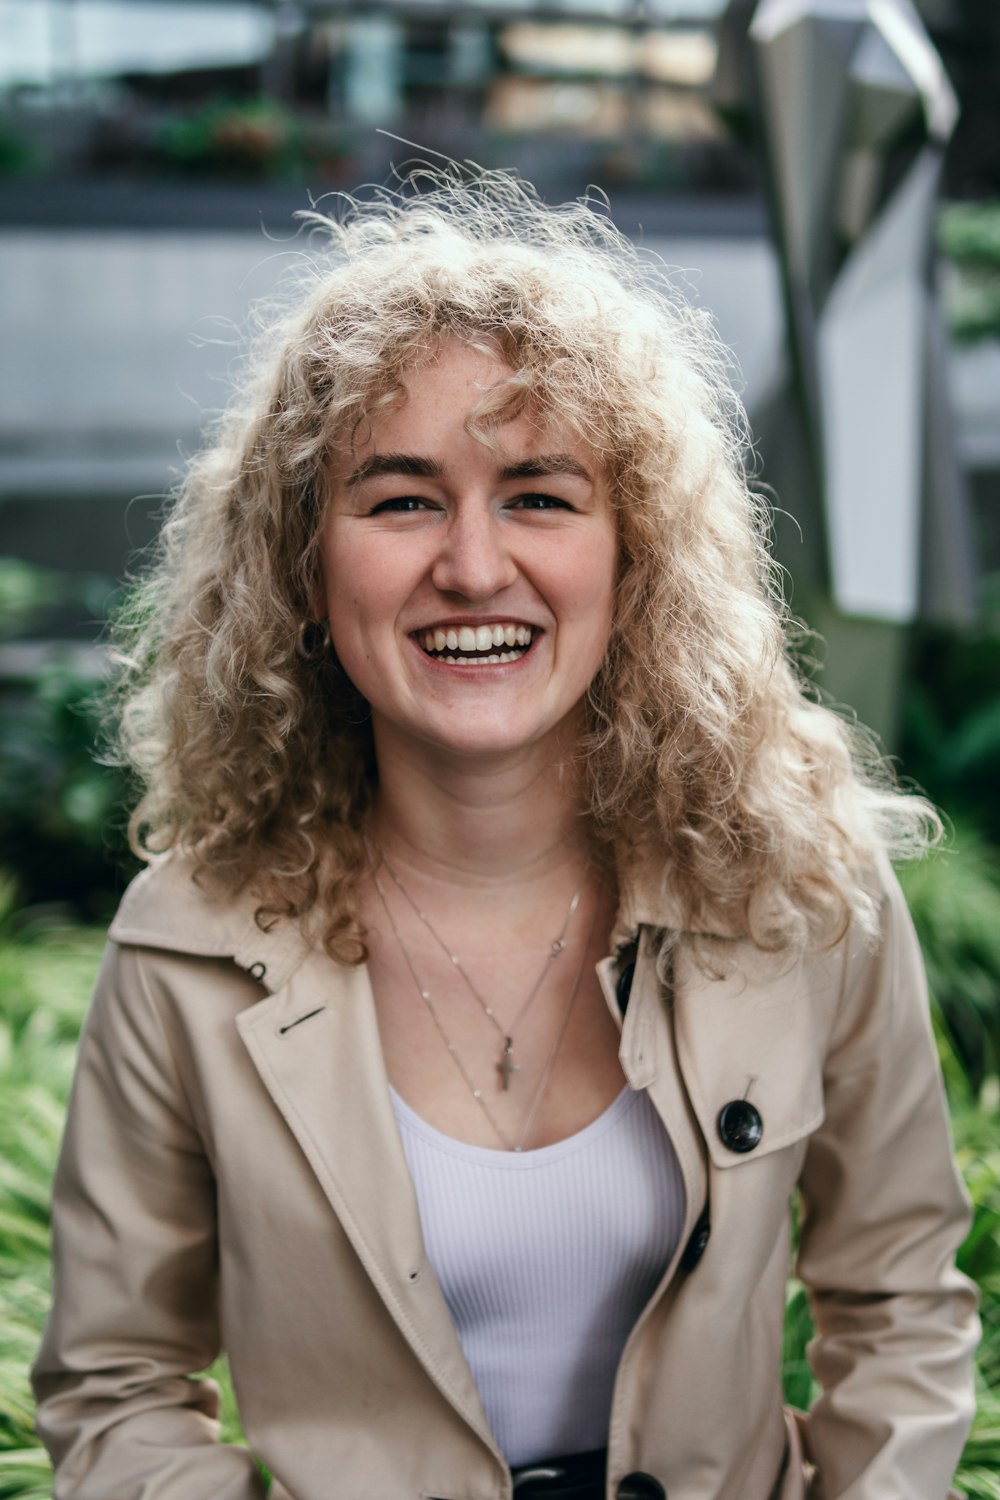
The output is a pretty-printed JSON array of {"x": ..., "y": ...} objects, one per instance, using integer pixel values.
[{"x": 517, "y": 937}]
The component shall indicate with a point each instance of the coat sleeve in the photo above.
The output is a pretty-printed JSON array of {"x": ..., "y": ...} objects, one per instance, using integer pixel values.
[
  {"x": 883, "y": 1214},
  {"x": 134, "y": 1257}
]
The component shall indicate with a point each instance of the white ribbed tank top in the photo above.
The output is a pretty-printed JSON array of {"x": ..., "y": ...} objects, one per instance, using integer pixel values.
[{"x": 546, "y": 1258}]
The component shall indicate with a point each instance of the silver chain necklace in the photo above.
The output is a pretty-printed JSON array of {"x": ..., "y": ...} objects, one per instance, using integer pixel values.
[
  {"x": 510, "y": 1143},
  {"x": 506, "y": 1067}
]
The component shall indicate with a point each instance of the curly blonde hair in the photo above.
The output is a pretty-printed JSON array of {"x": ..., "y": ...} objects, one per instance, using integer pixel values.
[{"x": 703, "y": 747}]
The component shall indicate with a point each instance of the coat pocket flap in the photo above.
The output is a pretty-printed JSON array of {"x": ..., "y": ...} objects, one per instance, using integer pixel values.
[{"x": 750, "y": 1046}]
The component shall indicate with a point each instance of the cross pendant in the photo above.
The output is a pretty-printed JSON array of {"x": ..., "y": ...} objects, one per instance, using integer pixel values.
[{"x": 506, "y": 1066}]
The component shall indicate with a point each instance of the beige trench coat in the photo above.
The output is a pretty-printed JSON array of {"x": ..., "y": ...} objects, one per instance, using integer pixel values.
[{"x": 232, "y": 1177}]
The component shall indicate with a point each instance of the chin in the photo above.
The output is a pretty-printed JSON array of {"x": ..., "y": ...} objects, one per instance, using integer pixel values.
[
  {"x": 486, "y": 741},
  {"x": 479, "y": 747}
]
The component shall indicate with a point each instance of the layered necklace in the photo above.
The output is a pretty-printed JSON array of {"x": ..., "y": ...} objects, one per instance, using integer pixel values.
[{"x": 506, "y": 1067}]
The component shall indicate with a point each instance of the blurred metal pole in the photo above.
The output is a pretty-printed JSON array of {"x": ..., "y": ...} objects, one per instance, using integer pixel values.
[{"x": 850, "y": 109}]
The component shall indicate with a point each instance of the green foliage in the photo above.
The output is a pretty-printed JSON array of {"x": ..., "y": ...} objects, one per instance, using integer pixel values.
[
  {"x": 25, "y": 593},
  {"x": 977, "y": 1146},
  {"x": 951, "y": 731},
  {"x": 19, "y": 157},
  {"x": 62, "y": 824},
  {"x": 235, "y": 138},
  {"x": 46, "y": 974},
  {"x": 951, "y": 747},
  {"x": 801, "y": 1387},
  {"x": 954, "y": 898},
  {"x": 969, "y": 236}
]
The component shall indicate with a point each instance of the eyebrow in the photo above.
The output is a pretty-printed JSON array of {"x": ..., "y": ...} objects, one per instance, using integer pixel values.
[
  {"x": 546, "y": 463},
  {"x": 407, "y": 464},
  {"x": 411, "y": 466}
]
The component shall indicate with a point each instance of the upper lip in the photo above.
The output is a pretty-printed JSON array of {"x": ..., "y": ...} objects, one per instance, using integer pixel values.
[{"x": 454, "y": 622}]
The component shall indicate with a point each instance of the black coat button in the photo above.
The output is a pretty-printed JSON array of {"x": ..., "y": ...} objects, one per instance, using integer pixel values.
[
  {"x": 640, "y": 1487},
  {"x": 697, "y": 1244},
  {"x": 740, "y": 1126}
]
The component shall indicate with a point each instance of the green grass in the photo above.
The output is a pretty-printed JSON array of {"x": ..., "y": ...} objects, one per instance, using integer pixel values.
[{"x": 46, "y": 972}]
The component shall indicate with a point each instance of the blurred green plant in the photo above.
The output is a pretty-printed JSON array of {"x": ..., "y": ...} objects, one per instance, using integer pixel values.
[
  {"x": 30, "y": 596},
  {"x": 62, "y": 817},
  {"x": 46, "y": 973},
  {"x": 954, "y": 898},
  {"x": 969, "y": 237},
  {"x": 951, "y": 731},
  {"x": 19, "y": 155},
  {"x": 255, "y": 138}
]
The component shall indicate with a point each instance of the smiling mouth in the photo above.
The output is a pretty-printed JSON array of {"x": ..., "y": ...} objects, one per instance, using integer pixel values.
[{"x": 475, "y": 645}]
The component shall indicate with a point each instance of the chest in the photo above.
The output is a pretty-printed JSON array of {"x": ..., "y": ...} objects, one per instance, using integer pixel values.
[{"x": 506, "y": 1058}]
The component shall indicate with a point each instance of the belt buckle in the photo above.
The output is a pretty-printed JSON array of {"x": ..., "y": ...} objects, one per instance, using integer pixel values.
[{"x": 528, "y": 1476}]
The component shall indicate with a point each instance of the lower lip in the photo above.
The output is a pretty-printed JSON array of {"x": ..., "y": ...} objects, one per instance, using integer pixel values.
[{"x": 477, "y": 669}]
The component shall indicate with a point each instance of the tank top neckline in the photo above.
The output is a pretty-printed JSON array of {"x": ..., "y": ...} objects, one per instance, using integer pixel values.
[{"x": 514, "y": 1160}]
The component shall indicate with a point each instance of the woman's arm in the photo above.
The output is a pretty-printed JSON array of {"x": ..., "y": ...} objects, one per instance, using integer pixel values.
[
  {"x": 884, "y": 1212},
  {"x": 134, "y": 1253}
]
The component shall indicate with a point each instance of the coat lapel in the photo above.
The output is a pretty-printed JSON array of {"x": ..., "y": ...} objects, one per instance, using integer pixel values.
[
  {"x": 771, "y": 1017},
  {"x": 315, "y": 1045},
  {"x": 649, "y": 1058}
]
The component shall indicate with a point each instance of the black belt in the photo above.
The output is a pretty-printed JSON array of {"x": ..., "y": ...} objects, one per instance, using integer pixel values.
[{"x": 578, "y": 1476}]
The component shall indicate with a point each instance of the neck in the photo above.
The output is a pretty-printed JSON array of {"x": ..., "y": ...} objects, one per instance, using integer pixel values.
[{"x": 479, "y": 825}]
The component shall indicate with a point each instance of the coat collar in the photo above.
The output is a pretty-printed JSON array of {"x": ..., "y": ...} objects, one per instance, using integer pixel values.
[{"x": 165, "y": 907}]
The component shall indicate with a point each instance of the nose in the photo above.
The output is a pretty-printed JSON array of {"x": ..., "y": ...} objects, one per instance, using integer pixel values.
[{"x": 474, "y": 560}]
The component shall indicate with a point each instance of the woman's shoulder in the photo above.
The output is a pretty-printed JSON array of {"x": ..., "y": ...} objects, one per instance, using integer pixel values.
[
  {"x": 174, "y": 907},
  {"x": 171, "y": 905}
]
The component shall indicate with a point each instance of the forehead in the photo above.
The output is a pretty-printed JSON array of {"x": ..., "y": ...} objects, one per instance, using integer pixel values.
[{"x": 465, "y": 396}]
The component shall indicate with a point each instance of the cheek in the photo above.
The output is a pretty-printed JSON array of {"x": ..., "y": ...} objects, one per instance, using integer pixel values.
[
  {"x": 347, "y": 580},
  {"x": 596, "y": 584},
  {"x": 364, "y": 595}
]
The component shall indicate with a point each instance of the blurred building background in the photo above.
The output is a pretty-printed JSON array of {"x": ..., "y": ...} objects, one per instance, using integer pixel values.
[{"x": 153, "y": 154}]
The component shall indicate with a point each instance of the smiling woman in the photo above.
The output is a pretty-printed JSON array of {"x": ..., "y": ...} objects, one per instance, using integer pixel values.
[{"x": 518, "y": 937}]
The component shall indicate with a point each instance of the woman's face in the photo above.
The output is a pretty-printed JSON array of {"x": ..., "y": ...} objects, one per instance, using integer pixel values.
[{"x": 469, "y": 592}]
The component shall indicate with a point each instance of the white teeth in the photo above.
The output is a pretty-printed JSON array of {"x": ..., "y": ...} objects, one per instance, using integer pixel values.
[
  {"x": 479, "y": 638},
  {"x": 494, "y": 659}
]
